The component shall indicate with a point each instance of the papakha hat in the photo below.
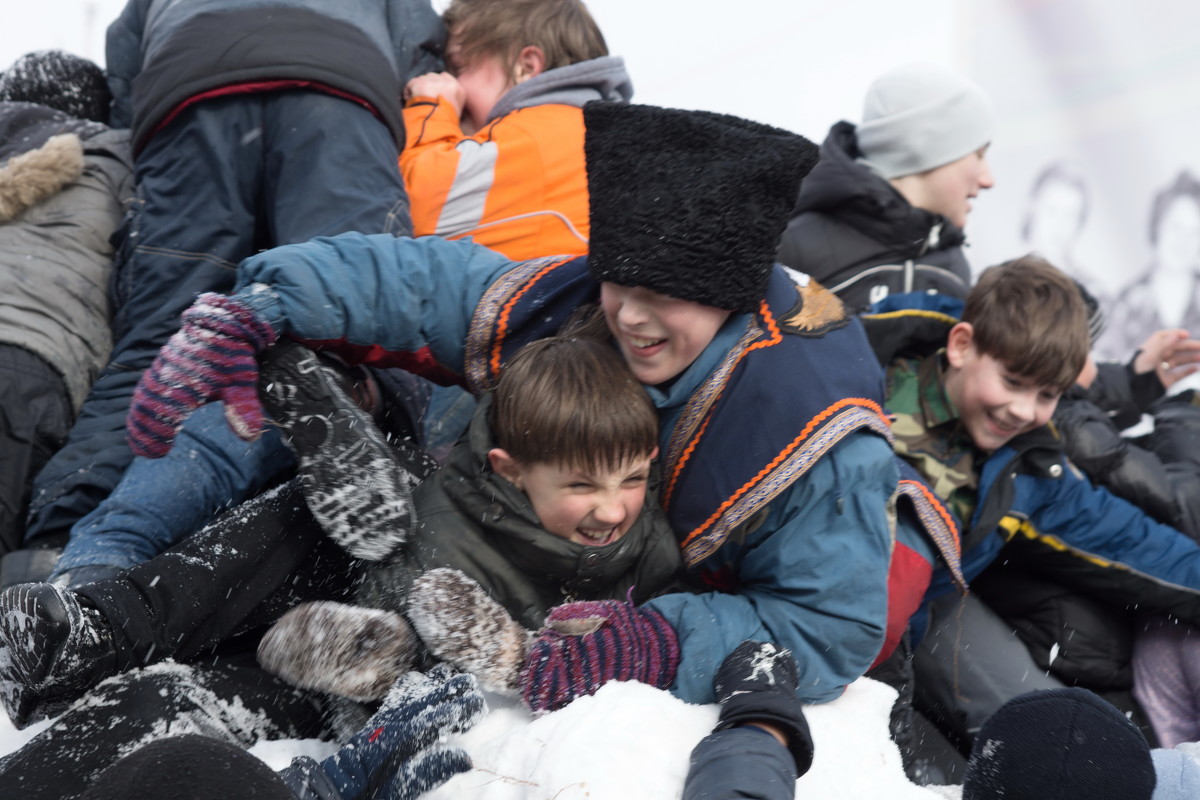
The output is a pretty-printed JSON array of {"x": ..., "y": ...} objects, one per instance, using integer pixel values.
[{"x": 690, "y": 204}]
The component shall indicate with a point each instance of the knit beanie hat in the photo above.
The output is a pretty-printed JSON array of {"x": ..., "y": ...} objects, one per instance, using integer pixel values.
[
  {"x": 53, "y": 78},
  {"x": 1059, "y": 744},
  {"x": 921, "y": 116},
  {"x": 690, "y": 204},
  {"x": 188, "y": 767}
]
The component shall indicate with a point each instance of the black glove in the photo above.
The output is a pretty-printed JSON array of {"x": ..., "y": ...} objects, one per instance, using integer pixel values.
[
  {"x": 389, "y": 758},
  {"x": 757, "y": 683}
]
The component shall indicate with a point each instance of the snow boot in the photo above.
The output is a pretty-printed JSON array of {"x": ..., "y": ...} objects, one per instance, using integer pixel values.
[
  {"x": 357, "y": 485},
  {"x": 52, "y": 650}
]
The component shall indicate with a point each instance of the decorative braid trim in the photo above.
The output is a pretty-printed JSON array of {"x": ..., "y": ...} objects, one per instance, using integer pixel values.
[{"x": 939, "y": 525}]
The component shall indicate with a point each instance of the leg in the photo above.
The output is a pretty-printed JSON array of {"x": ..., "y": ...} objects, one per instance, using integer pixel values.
[
  {"x": 233, "y": 701},
  {"x": 195, "y": 219},
  {"x": 969, "y": 664},
  {"x": 345, "y": 178},
  {"x": 1166, "y": 679},
  {"x": 35, "y": 415}
]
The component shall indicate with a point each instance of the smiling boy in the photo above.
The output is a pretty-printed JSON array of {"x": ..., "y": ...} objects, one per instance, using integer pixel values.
[{"x": 973, "y": 389}]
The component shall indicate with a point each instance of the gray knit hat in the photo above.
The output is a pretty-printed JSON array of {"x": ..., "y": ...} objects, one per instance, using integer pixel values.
[
  {"x": 921, "y": 116},
  {"x": 60, "y": 80}
]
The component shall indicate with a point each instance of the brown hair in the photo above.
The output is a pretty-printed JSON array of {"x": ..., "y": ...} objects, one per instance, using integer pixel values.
[
  {"x": 571, "y": 400},
  {"x": 1027, "y": 314},
  {"x": 563, "y": 29}
]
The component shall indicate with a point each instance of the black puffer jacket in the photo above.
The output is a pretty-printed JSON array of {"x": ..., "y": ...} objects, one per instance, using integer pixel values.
[
  {"x": 860, "y": 238},
  {"x": 471, "y": 519}
]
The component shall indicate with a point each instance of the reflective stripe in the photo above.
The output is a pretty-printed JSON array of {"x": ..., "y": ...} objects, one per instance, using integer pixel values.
[{"x": 466, "y": 201}]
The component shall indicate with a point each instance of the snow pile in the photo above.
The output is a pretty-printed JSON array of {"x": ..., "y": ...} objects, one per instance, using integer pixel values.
[{"x": 632, "y": 742}]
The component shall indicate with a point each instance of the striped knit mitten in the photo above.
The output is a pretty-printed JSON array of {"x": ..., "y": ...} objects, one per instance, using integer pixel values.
[
  {"x": 211, "y": 357},
  {"x": 587, "y": 644}
]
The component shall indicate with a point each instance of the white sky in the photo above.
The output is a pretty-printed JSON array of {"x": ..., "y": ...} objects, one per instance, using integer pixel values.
[{"x": 799, "y": 65}]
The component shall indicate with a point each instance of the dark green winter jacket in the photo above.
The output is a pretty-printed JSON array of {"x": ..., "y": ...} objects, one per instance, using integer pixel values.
[{"x": 471, "y": 519}]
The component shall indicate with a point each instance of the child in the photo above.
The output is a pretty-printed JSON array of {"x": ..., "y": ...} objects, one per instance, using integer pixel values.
[
  {"x": 545, "y": 500},
  {"x": 884, "y": 210},
  {"x": 791, "y": 522},
  {"x": 510, "y": 108},
  {"x": 65, "y": 178},
  {"x": 972, "y": 397}
]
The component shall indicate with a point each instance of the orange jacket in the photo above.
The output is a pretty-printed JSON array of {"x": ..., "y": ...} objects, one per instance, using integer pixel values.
[{"x": 517, "y": 186}]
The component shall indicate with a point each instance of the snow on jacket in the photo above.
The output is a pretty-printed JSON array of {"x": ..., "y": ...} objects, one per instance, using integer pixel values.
[
  {"x": 161, "y": 53},
  {"x": 518, "y": 185},
  {"x": 63, "y": 185},
  {"x": 812, "y": 569},
  {"x": 473, "y": 520},
  {"x": 1032, "y": 498},
  {"x": 857, "y": 235}
]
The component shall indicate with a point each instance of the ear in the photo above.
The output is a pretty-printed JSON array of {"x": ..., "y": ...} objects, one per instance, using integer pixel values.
[
  {"x": 959, "y": 343},
  {"x": 505, "y": 466},
  {"x": 531, "y": 61}
]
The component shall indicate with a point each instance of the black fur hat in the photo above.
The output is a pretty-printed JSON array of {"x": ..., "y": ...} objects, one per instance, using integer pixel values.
[
  {"x": 57, "y": 79},
  {"x": 689, "y": 204}
]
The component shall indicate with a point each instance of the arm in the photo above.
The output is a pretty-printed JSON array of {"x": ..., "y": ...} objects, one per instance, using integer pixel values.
[
  {"x": 1092, "y": 540},
  {"x": 123, "y": 60},
  {"x": 813, "y": 579}
]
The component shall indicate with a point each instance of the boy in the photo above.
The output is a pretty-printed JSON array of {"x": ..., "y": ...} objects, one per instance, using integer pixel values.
[
  {"x": 546, "y": 499},
  {"x": 781, "y": 496},
  {"x": 972, "y": 399},
  {"x": 509, "y": 108},
  {"x": 884, "y": 210}
]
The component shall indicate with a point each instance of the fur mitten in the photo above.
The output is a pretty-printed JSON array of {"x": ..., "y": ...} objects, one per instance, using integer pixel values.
[
  {"x": 349, "y": 651},
  {"x": 460, "y": 623}
]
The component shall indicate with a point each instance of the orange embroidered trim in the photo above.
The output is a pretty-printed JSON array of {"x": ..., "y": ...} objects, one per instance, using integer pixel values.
[
  {"x": 812, "y": 425},
  {"x": 775, "y": 338},
  {"x": 506, "y": 311}
]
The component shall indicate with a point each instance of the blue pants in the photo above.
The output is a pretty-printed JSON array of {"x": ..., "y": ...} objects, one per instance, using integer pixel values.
[{"x": 226, "y": 178}]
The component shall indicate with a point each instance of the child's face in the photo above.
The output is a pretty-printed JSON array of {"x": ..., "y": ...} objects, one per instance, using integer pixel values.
[
  {"x": 949, "y": 189},
  {"x": 658, "y": 335},
  {"x": 484, "y": 80},
  {"x": 994, "y": 403},
  {"x": 586, "y": 506}
]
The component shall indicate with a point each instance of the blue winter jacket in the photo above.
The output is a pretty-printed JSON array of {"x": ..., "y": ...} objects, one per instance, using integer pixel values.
[{"x": 812, "y": 572}]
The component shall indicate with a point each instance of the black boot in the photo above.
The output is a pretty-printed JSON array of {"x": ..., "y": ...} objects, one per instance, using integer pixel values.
[
  {"x": 357, "y": 485},
  {"x": 52, "y": 650}
]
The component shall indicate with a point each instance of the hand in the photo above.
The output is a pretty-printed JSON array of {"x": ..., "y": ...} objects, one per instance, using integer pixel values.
[
  {"x": 756, "y": 685},
  {"x": 211, "y": 357},
  {"x": 389, "y": 757},
  {"x": 349, "y": 651},
  {"x": 460, "y": 623},
  {"x": 585, "y": 645},
  {"x": 1171, "y": 353},
  {"x": 437, "y": 84}
]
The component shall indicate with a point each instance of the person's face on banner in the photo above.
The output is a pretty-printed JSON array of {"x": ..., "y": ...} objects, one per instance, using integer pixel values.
[
  {"x": 1179, "y": 236},
  {"x": 949, "y": 189}
]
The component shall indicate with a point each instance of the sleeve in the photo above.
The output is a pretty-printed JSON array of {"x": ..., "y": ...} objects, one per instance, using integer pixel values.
[
  {"x": 812, "y": 578},
  {"x": 1123, "y": 394},
  {"x": 1094, "y": 541},
  {"x": 740, "y": 764},
  {"x": 449, "y": 175},
  {"x": 123, "y": 60},
  {"x": 405, "y": 296}
]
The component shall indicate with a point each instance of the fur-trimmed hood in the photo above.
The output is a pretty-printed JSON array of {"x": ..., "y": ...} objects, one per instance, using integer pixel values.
[{"x": 34, "y": 176}]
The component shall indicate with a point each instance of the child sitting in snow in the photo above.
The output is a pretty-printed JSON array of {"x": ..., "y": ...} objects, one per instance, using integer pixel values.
[{"x": 546, "y": 500}]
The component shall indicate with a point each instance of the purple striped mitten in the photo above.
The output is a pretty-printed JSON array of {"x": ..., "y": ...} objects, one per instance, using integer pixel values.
[
  {"x": 211, "y": 357},
  {"x": 587, "y": 644}
]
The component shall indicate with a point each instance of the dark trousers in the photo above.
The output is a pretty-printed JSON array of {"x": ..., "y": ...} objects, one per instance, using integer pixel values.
[
  {"x": 226, "y": 178},
  {"x": 204, "y": 602},
  {"x": 35, "y": 415}
]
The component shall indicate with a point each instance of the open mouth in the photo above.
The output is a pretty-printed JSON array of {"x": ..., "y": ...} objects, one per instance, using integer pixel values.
[
  {"x": 597, "y": 538},
  {"x": 641, "y": 344}
]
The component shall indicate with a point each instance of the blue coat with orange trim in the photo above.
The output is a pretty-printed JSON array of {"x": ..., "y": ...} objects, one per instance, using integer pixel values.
[
  {"x": 783, "y": 485},
  {"x": 1031, "y": 497}
]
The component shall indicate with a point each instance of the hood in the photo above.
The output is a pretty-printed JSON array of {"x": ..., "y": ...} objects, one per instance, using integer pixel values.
[
  {"x": 843, "y": 187},
  {"x": 573, "y": 85}
]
